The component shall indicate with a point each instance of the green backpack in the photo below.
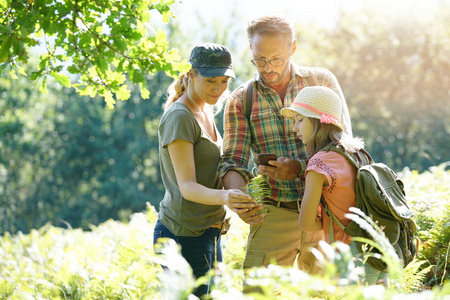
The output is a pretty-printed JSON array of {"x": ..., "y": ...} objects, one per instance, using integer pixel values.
[{"x": 380, "y": 195}]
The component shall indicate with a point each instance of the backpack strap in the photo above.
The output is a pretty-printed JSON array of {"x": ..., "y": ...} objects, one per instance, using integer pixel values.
[
  {"x": 354, "y": 158},
  {"x": 368, "y": 156},
  {"x": 333, "y": 219},
  {"x": 310, "y": 80},
  {"x": 357, "y": 161},
  {"x": 247, "y": 103}
]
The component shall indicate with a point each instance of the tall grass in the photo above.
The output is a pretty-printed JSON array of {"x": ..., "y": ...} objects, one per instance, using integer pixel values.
[{"x": 116, "y": 261}]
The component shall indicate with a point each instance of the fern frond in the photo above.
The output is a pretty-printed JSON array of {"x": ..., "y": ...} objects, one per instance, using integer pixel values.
[
  {"x": 413, "y": 279},
  {"x": 259, "y": 188}
]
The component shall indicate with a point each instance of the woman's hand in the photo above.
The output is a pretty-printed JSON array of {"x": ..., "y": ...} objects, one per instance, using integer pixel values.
[
  {"x": 251, "y": 216},
  {"x": 244, "y": 206},
  {"x": 236, "y": 199}
]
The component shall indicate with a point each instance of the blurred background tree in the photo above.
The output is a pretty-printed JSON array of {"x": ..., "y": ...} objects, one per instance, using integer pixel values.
[
  {"x": 396, "y": 78},
  {"x": 66, "y": 159}
]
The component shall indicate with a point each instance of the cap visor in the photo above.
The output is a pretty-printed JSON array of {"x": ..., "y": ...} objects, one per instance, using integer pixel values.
[{"x": 216, "y": 72}]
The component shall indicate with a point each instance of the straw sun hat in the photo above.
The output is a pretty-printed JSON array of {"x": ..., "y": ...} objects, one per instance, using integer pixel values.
[{"x": 317, "y": 102}]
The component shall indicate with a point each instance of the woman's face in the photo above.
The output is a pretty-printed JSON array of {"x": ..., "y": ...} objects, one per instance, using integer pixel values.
[
  {"x": 303, "y": 128},
  {"x": 209, "y": 89}
]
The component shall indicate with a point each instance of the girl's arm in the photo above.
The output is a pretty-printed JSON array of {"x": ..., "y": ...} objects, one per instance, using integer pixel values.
[
  {"x": 310, "y": 202},
  {"x": 182, "y": 156}
]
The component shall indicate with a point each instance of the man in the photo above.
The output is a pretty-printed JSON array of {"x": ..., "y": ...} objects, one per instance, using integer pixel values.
[{"x": 274, "y": 235}]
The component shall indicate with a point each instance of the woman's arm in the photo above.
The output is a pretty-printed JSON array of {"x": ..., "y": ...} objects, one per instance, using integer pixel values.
[
  {"x": 310, "y": 202},
  {"x": 182, "y": 156}
]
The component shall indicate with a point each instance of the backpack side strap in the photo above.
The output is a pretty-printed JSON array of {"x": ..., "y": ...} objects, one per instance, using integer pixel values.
[
  {"x": 247, "y": 103},
  {"x": 310, "y": 80},
  {"x": 333, "y": 219}
]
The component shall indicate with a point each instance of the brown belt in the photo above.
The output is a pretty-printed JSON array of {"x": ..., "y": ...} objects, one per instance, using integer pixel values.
[
  {"x": 292, "y": 205},
  {"x": 218, "y": 225},
  {"x": 223, "y": 226}
]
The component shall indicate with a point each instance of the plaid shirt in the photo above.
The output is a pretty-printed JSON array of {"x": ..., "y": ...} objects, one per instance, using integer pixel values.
[{"x": 268, "y": 131}]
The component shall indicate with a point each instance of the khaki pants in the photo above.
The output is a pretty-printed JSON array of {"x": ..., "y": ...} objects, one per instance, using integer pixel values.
[{"x": 279, "y": 240}]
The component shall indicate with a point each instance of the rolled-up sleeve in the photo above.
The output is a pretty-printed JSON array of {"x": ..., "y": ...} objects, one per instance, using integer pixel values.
[{"x": 237, "y": 137}]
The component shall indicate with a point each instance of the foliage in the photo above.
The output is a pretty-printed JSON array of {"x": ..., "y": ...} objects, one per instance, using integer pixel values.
[
  {"x": 101, "y": 42},
  {"x": 65, "y": 158},
  {"x": 430, "y": 199},
  {"x": 68, "y": 161},
  {"x": 116, "y": 261},
  {"x": 258, "y": 188},
  {"x": 113, "y": 261}
]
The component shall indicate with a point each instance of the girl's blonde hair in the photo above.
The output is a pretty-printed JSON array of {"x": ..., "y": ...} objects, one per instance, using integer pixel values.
[{"x": 324, "y": 134}]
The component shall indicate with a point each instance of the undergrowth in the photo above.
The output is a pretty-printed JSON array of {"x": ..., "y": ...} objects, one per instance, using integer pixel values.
[{"x": 116, "y": 260}]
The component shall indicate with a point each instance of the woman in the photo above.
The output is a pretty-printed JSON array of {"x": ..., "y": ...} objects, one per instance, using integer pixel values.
[{"x": 190, "y": 147}]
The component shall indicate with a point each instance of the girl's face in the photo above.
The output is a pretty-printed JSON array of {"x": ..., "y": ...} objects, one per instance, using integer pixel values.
[
  {"x": 209, "y": 89},
  {"x": 303, "y": 128}
]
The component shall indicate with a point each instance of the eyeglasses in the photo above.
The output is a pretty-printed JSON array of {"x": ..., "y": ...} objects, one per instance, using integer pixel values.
[{"x": 276, "y": 62}]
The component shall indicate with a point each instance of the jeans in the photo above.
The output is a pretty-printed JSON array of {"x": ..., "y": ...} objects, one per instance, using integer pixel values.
[{"x": 201, "y": 252}]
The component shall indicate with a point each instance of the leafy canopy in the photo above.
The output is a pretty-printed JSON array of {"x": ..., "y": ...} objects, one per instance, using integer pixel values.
[{"x": 100, "y": 43}]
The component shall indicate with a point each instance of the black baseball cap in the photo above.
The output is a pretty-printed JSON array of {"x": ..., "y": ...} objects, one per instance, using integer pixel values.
[{"x": 212, "y": 60}]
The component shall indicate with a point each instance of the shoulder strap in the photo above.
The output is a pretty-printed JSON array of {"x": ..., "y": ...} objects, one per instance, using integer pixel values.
[
  {"x": 354, "y": 159},
  {"x": 247, "y": 104},
  {"x": 333, "y": 219},
  {"x": 310, "y": 80},
  {"x": 357, "y": 159}
]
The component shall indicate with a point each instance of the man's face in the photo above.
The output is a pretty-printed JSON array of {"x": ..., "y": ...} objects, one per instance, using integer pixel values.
[{"x": 271, "y": 47}]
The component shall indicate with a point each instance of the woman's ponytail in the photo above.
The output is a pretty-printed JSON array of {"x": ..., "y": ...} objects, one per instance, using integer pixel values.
[{"x": 177, "y": 88}]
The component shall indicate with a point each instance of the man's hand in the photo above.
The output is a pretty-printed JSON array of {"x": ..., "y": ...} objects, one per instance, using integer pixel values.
[{"x": 284, "y": 168}]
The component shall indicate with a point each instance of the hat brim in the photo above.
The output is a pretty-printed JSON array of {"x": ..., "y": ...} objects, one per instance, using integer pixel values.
[
  {"x": 288, "y": 112},
  {"x": 216, "y": 72}
]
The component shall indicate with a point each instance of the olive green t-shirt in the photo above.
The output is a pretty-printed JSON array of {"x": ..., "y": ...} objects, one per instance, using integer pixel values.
[{"x": 183, "y": 217}]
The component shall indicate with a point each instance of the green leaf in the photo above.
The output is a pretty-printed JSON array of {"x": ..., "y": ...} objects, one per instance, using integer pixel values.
[
  {"x": 109, "y": 99},
  {"x": 145, "y": 93},
  {"x": 13, "y": 74},
  {"x": 98, "y": 29},
  {"x": 21, "y": 70},
  {"x": 4, "y": 50},
  {"x": 61, "y": 78},
  {"x": 123, "y": 93},
  {"x": 73, "y": 69},
  {"x": 136, "y": 76},
  {"x": 43, "y": 87}
]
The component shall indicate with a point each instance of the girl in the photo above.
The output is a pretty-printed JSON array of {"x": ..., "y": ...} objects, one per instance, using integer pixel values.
[
  {"x": 316, "y": 112},
  {"x": 192, "y": 211}
]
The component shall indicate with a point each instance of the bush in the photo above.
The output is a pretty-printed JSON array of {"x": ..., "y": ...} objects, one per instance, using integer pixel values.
[{"x": 115, "y": 260}]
